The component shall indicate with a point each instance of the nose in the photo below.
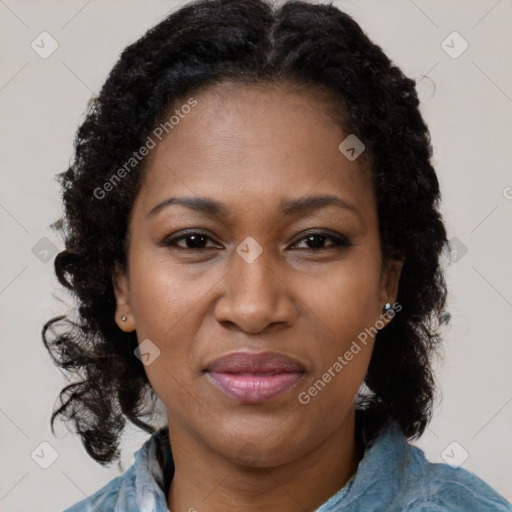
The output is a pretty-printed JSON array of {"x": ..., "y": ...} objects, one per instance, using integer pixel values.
[{"x": 255, "y": 297}]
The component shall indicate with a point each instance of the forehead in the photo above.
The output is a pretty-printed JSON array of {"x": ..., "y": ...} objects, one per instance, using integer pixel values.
[{"x": 253, "y": 145}]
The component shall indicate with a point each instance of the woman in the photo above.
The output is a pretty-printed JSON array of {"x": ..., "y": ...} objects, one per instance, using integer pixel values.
[{"x": 253, "y": 238}]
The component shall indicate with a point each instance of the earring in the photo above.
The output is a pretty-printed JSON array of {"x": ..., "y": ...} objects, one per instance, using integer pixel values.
[
  {"x": 386, "y": 307},
  {"x": 124, "y": 317}
]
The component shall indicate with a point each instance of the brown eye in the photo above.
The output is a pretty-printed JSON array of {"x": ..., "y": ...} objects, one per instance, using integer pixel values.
[
  {"x": 191, "y": 241},
  {"x": 317, "y": 241}
]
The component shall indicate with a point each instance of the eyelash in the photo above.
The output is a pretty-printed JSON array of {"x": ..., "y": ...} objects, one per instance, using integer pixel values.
[{"x": 337, "y": 241}]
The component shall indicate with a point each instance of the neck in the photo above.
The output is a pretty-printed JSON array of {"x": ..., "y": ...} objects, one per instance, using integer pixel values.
[{"x": 207, "y": 482}]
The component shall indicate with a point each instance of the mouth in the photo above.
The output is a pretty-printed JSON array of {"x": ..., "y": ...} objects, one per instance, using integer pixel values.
[{"x": 254, "y": 377}]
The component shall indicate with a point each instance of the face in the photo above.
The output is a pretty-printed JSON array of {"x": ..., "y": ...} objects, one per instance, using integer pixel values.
[{"x": 276, "y": 251}]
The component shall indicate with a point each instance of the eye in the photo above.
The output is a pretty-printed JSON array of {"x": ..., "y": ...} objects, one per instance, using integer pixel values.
[
  {"x": 316, "y": 241},
  {"x": 191, "y": 240}
]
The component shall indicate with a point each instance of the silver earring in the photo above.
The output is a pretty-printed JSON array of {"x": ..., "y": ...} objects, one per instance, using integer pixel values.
[
  {"x": 124, "y": 317},
  {"x": 386, "y": 307}
]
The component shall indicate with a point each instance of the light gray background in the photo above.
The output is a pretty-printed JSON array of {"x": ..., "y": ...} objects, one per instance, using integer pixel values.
[{"x": 467, "y": 104}]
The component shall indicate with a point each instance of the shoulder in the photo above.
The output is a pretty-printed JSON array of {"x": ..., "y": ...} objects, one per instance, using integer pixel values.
[
  {"x": 139, "y": 487},
  {"x": 106, "y": 498},
  {"x": 442, "y": 488}
]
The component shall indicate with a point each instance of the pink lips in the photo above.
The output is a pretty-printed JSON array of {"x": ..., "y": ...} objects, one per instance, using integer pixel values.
[{"x": 254, "y": 377}]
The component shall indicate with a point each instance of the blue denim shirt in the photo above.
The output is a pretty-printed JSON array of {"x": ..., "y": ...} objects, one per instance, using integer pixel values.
[{"x": 392, "y": 476}]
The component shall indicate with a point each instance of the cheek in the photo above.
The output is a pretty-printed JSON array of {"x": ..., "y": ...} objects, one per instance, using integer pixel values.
[
  {"x": 165, "y": 296},
  {"x": 343, "y": 304},
  {"x": 345, "y": 298},
  {"x": 344, "y": 346},
  {"x": 168, "y": 307}
]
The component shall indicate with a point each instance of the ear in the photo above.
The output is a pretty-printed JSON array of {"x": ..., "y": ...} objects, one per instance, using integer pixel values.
[
  {"x": 123, "y": 306},
  {"x": 390, "y": 277}
]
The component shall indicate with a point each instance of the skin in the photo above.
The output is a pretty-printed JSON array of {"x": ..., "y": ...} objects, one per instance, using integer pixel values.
[{"x": 250, "y": 148}]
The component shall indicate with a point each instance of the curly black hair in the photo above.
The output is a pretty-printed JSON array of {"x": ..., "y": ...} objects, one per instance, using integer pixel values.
[{"x": 245, "y": 42}]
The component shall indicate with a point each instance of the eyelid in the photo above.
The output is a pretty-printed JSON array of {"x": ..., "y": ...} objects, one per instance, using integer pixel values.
[
  {"x": 337, "y": 239},
  {"x": 174, "y": 238}
]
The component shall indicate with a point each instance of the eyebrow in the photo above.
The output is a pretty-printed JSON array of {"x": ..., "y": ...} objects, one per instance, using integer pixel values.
[
  {"x": 200, "y": 204},
  {"x": 287, "y": 207}
]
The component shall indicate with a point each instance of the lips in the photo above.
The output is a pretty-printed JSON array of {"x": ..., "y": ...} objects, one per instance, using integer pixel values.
[{"x": 254, "y": 377}]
